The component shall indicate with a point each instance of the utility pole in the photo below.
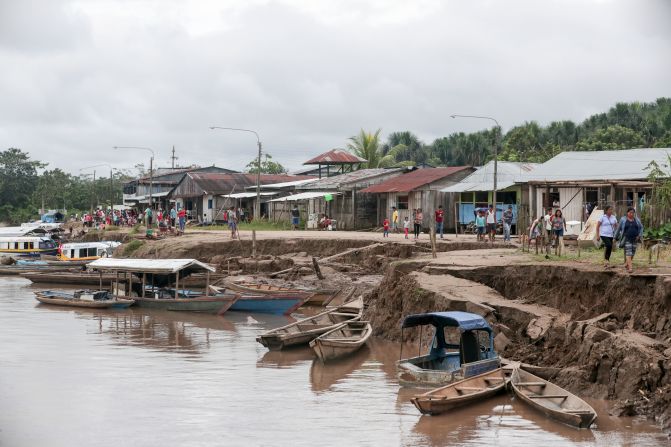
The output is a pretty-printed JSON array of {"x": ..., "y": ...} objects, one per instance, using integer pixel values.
[{"x": 173, "y": 158}]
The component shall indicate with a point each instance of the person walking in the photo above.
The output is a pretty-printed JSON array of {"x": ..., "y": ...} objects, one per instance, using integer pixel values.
[
  {"x": 295, "y": 217},
  {"x": 558, "y": 229},
  {"x": 547, "y": 219},
  {"x": 148, "y": 214},
  {"x": 605, "y": 232},
  {"x": 440, "y": 215},
  {"x": 629, "y": 234},
  {"x": 181, "y": 216},
  {"x": 394, "y": 219},
  {"x": 419, "y": 218},
  {"x": 406, "y": 226},
  {"x": 173, "y": 216},
  {"x": 491, "y": 223},
  {"x": 385, "y": 226},
  {"x": 480, "y": 222},
  {"x": 507, "y": 223},
  {"x": 233, "y": 222}
]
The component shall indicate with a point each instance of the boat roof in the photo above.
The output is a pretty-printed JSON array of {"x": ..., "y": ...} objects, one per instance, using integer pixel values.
[
  {"x": 103, "y": 244},
  {"x": 158, "y": 266},
  {"x": 465, "y": 321}
]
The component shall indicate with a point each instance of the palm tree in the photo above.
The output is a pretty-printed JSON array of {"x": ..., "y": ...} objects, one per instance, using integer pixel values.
[{"x": 367, "y": 145}]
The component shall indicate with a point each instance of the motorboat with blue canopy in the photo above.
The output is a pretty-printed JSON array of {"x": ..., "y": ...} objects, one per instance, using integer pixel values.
[{"x": 462, "y": 346}]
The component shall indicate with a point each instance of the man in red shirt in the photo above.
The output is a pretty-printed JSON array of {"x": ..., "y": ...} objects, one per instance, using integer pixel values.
[{"x": 439, "y": 220}]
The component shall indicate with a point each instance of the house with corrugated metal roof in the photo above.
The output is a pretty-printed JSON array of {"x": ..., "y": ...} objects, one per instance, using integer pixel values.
[
  {"x": 420, "y": 188},
  {"x": 476, "y": 191},
  {"x": 338, "y": 196},
  {"x": 206, "y": 195},
  {"x": 577, "y": 182},
  {"x": 335, "y": 162}
]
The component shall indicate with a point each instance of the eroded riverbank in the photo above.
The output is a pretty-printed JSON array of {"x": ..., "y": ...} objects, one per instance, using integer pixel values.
[{"x": 607, "y": 335}]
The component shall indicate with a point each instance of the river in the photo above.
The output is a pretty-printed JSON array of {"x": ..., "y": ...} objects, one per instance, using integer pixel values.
[{"x": 140, "y": 378}]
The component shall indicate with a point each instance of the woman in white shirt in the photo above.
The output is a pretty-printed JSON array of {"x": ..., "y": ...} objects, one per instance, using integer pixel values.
[{"x": 605, "y": 231}]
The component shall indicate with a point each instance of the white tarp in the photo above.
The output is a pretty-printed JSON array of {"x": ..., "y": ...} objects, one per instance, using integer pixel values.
[
  {"x": 150, "y": 265},
  {"x": 305, "y": 196},
  {"x": 247, "y": 195}
]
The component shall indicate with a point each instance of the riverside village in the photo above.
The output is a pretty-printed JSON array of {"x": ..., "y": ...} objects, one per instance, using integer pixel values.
[{"x": 500, "y": 276}]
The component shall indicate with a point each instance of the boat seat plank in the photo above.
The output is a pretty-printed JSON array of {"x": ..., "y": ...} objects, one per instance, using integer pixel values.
[
  {"x": 531, "y": 384},
  {"x": 578, "y": 411},
  {"x": 548, "y": 396},
  {"x": 493, "y": 379},
  {"x": 468, "y": 388}
]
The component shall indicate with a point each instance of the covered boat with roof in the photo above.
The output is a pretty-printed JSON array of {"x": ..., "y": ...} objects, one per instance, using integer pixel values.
[{"x": 462, "y": 346}]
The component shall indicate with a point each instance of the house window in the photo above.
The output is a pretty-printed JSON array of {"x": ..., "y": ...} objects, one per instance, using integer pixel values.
[
  {"x": 506, "y": 197},
  {"x": 402, "y": 202},
  {"x": 467, "y": 197},
  {"x": 209, "y": 204},
  {"x": 482, "y": 196}
]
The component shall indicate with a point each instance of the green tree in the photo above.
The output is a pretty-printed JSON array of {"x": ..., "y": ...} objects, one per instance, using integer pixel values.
[
  {"x": 18, "y": 177},
  {"x": 611, "y": 138},
  {"x": 268, "y": 166},
  {"x": 367, "y": 146}
]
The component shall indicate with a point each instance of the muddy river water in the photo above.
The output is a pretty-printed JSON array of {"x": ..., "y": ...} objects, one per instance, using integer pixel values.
[{"x": 139, "y": 378}]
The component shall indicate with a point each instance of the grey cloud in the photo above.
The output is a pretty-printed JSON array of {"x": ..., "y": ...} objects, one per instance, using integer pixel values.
[{"x": 307, "y": 75}]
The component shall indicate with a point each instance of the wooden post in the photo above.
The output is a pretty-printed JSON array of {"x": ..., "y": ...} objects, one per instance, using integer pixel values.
[
  {"x": 207, "y": 283},
  {"x": 115, "y": 290},
  {"x": 144, "y": 282},
  {"x": 318, "y": 271},
  {"x": 101, "y": 279},
  {"x": 254, "y": 244},
  {"x": 432, "y": 236},
  {"x": 177, "y": 284},
  {"x": 456, "y": 219}
]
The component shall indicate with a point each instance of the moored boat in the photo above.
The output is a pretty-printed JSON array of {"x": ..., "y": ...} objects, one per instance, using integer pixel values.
[
  {"x": 303, "y": 331},
  {"x": 82, "y": 298},
  {"x": 280, "y": 304},
  {"x": 154, "y": 283},
  {"x": 315, "y": 297},
  {"x": 26, "y": 246},
  {"x": 462, "y": 347},
  {"x": 86, "y": 251},
  {"x": 464, "y": 392},
  {"x": 342, "y": 340},
  {"x": 552, "y": 400}
]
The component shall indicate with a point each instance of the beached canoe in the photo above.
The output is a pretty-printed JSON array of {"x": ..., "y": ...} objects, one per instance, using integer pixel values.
[
  {"x": 315, "y": 297},
  {"x": 464, "y": 392},
  {"x": 552, "y": 400},
  {"x": 279, "y": 304},
  {"x": 82, "y": 298},
  {"x": 205, "y": 304},
  {"x": 303, "y": 331},
  {"x": 342, "y": 340}
]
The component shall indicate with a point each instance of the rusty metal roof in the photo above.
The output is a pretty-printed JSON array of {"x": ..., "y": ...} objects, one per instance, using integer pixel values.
[
  {"x": 348, "y": 179},
  {"x": 223, "y": 183},
  {"x": 336, "y": 157},
  {"x": 415, "y": 179}
]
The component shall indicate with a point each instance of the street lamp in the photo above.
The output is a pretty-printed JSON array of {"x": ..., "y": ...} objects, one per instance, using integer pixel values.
[
  {"x": 496, "y": 150},
  {"x": 151, "y": 167},
  {"x": 111, "y": 182},
  {"x": 257, "y": 205}
]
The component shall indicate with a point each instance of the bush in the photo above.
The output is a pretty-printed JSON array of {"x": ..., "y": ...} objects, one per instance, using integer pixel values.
[{"x": 132, "y": 247}]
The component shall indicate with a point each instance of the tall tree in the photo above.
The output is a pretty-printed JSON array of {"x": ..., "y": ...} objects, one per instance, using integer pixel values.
[
  {"x": 18, "y": 177},
  {"x": 367, "y": 145},
  {"x": 268, "y": 166}
]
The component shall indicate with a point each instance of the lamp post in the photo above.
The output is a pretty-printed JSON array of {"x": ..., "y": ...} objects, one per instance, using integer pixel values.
[
  {"x": 257, "y": 205},
  {"x": 111, "y": 182},
  {"x": 496, "y": 151},
  {"x": 151, "y": 167}
]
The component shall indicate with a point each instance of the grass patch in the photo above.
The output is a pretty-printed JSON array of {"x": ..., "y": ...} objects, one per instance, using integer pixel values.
[
  {"x": 132, "y": 247},
  {"x": 135, "y": 230},
  {"x": 263, "y": 225},
  {"x": 595, "y": 256},
  {"x": 111, "y": 228}
]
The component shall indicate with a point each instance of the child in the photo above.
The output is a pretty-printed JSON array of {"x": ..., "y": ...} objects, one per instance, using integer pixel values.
[
  {"x": 480, "y": 224},
  {"x": 385, "y": 224},
  {"x": 406, "y": 226}
]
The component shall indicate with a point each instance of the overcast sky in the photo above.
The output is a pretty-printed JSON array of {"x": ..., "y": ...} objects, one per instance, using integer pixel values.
[{"x": 78, "y": 77}]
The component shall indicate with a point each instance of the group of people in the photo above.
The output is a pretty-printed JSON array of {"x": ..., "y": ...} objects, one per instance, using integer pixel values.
[
  {"x": 416, "y": 220},
  {"x": 628, "y": 233},
  {"x": 548, "y": 231},
  {"x": 165, "y": 219},
  {"x": 101, "y": 218}
]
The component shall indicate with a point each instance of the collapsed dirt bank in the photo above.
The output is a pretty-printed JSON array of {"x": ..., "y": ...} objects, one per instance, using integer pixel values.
[{"x": 607, "y": 334}]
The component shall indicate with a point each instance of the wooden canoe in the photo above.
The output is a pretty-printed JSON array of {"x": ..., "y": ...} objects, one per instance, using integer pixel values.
[
  {"x": 342, "y": 340},
  {"x": 552, "y": 400},
  {"x": 60, "y": 298},
  {"x": 303, "y": 331},
  {"x": 316, "y": 297},
  {"x": 464, "y": 392}
]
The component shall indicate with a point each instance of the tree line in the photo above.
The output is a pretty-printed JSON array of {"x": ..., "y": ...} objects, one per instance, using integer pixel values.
[
  {"x": 24, "y": 189},
  {"x": 624, "y": 126}
]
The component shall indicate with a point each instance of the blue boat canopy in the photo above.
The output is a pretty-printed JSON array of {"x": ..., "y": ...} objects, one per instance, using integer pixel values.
[{"x": 465, "y": 321}]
